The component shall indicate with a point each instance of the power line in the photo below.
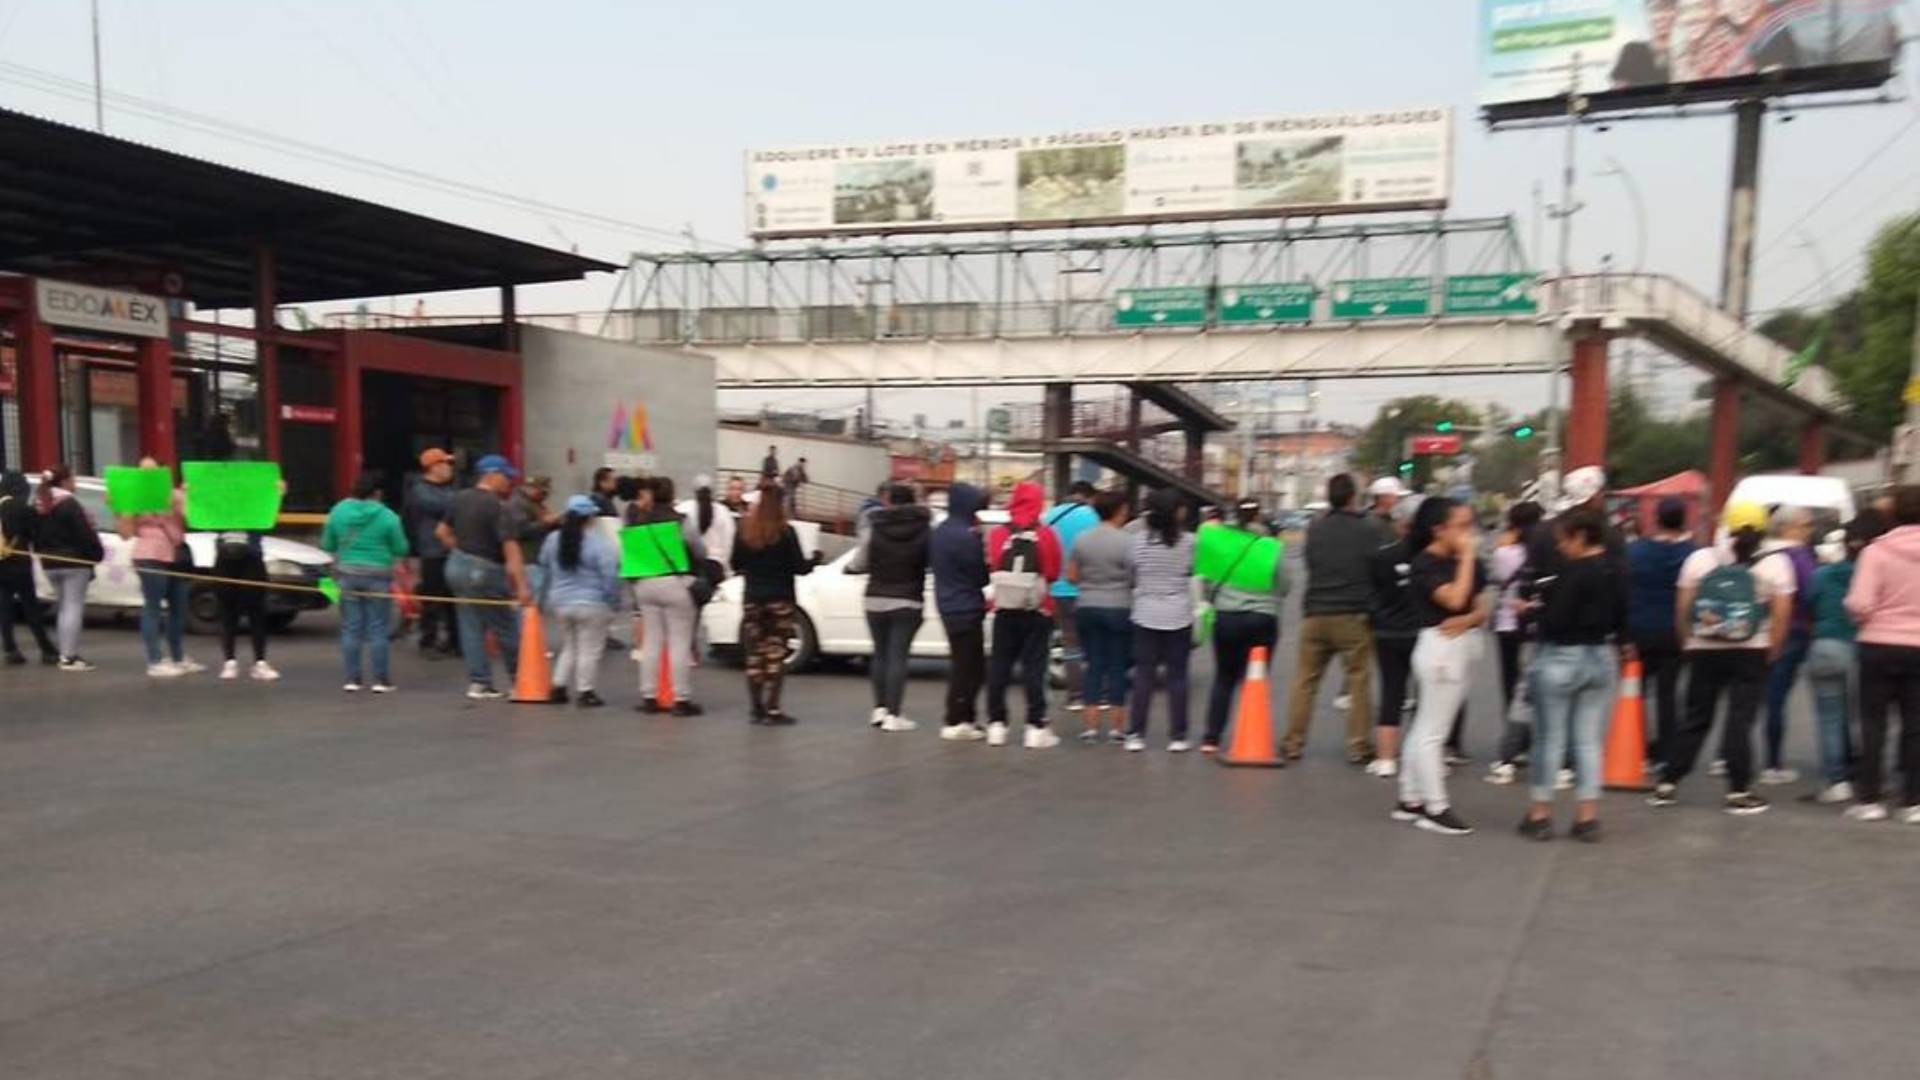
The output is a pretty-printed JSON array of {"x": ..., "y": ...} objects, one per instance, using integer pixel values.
[
  {"x": 60, "y": 86},
  {"x": 1820, "y": 203}
]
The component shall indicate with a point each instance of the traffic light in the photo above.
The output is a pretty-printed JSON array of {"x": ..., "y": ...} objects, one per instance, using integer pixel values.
[
  {"x": 1406, "y": 468},
  {"x": 1523, "y": 432},
  {"x": 1444, "y": 427}
]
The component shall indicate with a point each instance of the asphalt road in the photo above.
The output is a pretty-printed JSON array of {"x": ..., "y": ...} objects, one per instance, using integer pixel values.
[{"x": 246, "y": 881}]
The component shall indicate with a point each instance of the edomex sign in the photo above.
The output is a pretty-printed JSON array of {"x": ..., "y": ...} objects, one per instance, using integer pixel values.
[{"x": 110, "y": 311}]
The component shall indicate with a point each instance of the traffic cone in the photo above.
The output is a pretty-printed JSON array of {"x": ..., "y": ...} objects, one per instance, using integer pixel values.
[
  {"x": 666, "y": 696},
  {"x": 533, "y": 682},
  {"x": 1626, "y": 763},
  {"x": 1253, "y": 732}
]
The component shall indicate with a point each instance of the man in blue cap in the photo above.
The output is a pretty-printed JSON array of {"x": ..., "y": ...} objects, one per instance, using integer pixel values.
[{"x": 486, "y": 564}]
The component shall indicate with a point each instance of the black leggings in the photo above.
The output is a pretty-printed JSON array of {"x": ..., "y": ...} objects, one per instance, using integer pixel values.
[
  {"x": 17, "y": 601},
  {"x": 1395, "y": 656},
  {"x": 238, "y": 600}
]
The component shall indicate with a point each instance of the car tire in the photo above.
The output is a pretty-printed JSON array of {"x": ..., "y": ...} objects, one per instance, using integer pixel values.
[
  {"x": 203, "y": 610},
  {"x": 806, "y": 648}
]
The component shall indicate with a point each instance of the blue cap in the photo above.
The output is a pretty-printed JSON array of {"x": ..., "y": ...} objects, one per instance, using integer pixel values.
[
  {"x": 494, "y": 463},
  {"x": 580, "y": 504}
]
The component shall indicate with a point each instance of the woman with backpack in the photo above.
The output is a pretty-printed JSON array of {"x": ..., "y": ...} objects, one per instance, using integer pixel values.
[
  {"x": 766, "y": 553},
  {"x": 365, "y": 539},
  {"x": 69, "y": 547},
  {"x": 895, "y": 556},
  {"x": 581, "y": 591},
  {"x": 1162, "y": 618},
  {"x": 1734, "y": 610},
  {"x": 17, "y": 599},
  {"x": 161, "y": 557},
  {"x": 1245, "y": 617},
  {"x": 1024, "y": 558}
]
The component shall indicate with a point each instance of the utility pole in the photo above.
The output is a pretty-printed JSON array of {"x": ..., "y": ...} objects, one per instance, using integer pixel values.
[
  {"x": 99, "y": 94},
  {"x": 1576, "y": 104},
  {"x": 1743, "y": 205}
]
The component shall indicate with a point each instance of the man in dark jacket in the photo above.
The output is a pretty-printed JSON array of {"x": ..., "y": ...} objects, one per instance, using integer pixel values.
[
  {"x": 894, "y": 557},
  {"x": 427, "y": 503},
  {"x": 959, "y": 558},
  {"x": 1340, "y": 545},
  {"x": 17, "y": 599}
]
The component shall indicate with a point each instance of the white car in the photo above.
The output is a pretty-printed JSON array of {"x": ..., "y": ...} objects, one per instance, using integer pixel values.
[
  {"x": 116, "y": 585},
  {"x": 832, "y": 619}
]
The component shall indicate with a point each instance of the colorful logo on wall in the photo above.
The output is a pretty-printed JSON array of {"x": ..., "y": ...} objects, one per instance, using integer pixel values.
[{"x": 629, "y": 430}]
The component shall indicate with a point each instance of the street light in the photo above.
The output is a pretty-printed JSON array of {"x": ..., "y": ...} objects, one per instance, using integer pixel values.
[{"x": 1615, "y": 169}]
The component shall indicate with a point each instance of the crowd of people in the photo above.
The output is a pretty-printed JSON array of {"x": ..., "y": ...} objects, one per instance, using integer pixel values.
[{"x": 1403, "y": 584}]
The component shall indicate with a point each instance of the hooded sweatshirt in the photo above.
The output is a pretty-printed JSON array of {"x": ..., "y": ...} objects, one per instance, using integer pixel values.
[
  {"x": 364, "y": 537},
  {"x": 1023, "y": 515},
  {"x": 895, "y": 557},
  {"x": 1885, "y": 597},
  {"x": 16, "y": 523},
  {"x": 959, "y": 559},
  {"x": 65, "y": 530}
]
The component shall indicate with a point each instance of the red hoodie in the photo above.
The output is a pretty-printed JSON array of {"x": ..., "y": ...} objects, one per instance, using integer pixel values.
[{"x": 1023, "y": 513}]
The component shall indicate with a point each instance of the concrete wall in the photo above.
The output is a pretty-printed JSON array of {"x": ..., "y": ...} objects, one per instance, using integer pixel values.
[
  {"x": 834, "y": 462},
  {"x": 579, "y": 387}
]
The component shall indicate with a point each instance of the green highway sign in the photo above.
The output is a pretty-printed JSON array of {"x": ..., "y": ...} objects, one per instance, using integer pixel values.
[
  {"x": 1183, "y": 306},
  {"x": 1291, "y": 303},
  {"x": 1383, "y": 298},
  {"x": 1491, "y": 294}
]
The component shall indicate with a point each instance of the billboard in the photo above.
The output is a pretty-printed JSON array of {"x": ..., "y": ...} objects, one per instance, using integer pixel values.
[
  {"x": 1273, "y": 167},
  {"x": 1637, "y": 53}
]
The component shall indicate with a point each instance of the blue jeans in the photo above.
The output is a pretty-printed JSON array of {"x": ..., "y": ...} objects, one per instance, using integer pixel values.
[
  {"x": 159, "y": 590},
  {"x": 1779, "y": 684},
  {"x": 1106, "y": 636},
  {"x": 366, "y": 623},
  {"x": 1573, "y": 695},
  {"x": 477, "y": 579},
  {"x": 1830, "y": 665}
]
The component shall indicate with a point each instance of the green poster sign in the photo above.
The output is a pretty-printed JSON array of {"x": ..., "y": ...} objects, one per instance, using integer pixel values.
[
  {"x": 330, "y": 589},
  {"x": 1226, "y": 556},
  {"x": 1184, "y": 306},
  {"x": 1290, "y": 303},
  {"x": 1491, "y": 294},
  {"x": 651, "y": 551},
  {"x": 139, "y": 491},
  {"x": 1383, "y": 298},
  {"x": 233, "y": 494}
]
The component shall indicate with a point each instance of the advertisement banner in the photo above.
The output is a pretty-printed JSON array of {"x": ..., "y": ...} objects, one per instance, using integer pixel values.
[
  {"x": 1274, "y": 167},
  {"x": 1659, "y": 47}
]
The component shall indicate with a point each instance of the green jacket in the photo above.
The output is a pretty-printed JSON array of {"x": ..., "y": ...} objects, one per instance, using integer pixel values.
[{"x": 363, "y": 536}]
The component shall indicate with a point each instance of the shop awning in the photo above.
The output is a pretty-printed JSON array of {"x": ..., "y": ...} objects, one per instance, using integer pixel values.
[
  {"x": 82, "y": 205},
  {"x": 1683, "y": 484}
]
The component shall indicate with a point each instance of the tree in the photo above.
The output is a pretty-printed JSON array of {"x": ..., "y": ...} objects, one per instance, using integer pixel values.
[
  {"x": 1382, "y": 445},
  {"x": 1872, "y": 376}
]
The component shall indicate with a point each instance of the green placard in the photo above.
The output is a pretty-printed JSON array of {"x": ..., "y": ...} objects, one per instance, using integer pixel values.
[
  {"x": 1268, "y": 303},
  {"x": 1491, "y": 294},
  {"x": 1383, "y": 298},
  {"x": 1185, "y": 306},
  {"x": 330, "y": 589},
  {"x": 233, "y": 494},
  {"x": 651, "y": 551},
  {"x": 139, "y": 491},
  {"x": 1239, "y": 560}
]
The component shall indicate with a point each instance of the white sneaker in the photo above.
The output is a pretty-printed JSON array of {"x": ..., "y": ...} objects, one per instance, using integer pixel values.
[
  {"x": 1866, "y": 811},
  {"x": 482, "y": 692},
  {"x": 1718, "y": 767},
  {"x": 1503, "y": 772},
  {"x": 382, "y": 688},
  {"x": 230, "y": 669},
  {"x": 1563, "y": 780},
  {"x": 1135, "y": 744},
  {"x": 190, "y": 666},
  {"x": 879, "y": 717},
  {"x": 163, "y": 670},
  {"x": 1039, "y": 738},
  {"x": 351, "y": 688},
  {"x": 1343, "y": 703},
  {"x": 996, "y": 734},
  {"x": 263, "y": 672},
  {"x": 1179, "y": 746},
  {"x": 1841, "y": 792},
  {"x": 1384, "y": 768},
  {"x": 898, "y": 723},
  {"x": 75, "y": 663},
  {"x": 1777, "y": 777},
  {"x": 1910, "y": 816},
  {"x": 962, "y": 733}
]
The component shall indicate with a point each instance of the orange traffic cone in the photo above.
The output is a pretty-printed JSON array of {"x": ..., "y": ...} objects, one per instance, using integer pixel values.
[
  {"x": 1253, "y": 731},
  {"x": 1626, "y": 767},
  {"x": 533, "y": 682},
  {"x": 666, "y": 696}
]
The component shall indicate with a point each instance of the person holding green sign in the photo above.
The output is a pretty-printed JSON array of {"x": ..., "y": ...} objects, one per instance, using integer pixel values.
[
  {"x": 661, "y": 550},
  {"x": 366, "y": 539},
  {"x": 1245, "y": 577},
  {"x": 160, "y": 555}
]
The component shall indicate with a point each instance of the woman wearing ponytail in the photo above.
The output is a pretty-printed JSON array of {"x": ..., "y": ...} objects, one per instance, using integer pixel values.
[
  {"x": 1734, "y": 611},
  {"x": 1162, "y": 617},
  {"x": 69, "y": 547},
  {"x": 580, "y": 591}
]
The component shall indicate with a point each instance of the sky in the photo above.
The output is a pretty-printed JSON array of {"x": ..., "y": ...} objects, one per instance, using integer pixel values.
[{"x": 639, "y": 111}]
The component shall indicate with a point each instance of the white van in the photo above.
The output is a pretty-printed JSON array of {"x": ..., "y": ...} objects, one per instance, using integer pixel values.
[{"x": 1829, "y": 497}]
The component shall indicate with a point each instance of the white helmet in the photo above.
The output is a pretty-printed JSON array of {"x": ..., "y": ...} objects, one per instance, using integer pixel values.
[{"x": 1388, "y": 487}]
